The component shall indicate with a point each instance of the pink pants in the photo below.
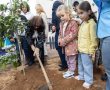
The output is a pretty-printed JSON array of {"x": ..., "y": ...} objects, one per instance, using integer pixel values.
[{"x": 71, "y": 62}]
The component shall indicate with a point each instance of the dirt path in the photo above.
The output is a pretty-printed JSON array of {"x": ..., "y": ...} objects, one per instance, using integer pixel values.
[{"x": 14, "y": 79}]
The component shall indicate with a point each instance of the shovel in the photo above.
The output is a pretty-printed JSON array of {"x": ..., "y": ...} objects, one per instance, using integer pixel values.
[{"x": 48, "y": 86}]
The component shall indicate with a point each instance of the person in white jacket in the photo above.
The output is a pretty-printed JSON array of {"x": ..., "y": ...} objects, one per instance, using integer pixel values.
[
  {"x": 25, "y": 11},
  {"x": 40, "y": 11}
]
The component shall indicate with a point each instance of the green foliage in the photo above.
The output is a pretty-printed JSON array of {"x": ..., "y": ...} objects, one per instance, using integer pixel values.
[
  {"x": 8, "y": 59},
  {"x": 8, "y": 24}
]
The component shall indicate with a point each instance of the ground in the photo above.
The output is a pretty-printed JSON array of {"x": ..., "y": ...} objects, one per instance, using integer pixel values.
[{"x": 13, "y": 79}]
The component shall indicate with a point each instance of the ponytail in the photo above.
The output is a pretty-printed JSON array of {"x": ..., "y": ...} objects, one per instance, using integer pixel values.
[{"x": 92, "y": 16}]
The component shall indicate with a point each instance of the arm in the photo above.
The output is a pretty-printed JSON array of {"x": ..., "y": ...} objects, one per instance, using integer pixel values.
[
  {"x": 29, "y": 33},
  {"x": 73, "y": 34},
  {"x": 55, "y": 19},
  {"x": 93, "y": 37},
  {"x": 44, "y": 17},
  {"x": 97, "y": 2}
]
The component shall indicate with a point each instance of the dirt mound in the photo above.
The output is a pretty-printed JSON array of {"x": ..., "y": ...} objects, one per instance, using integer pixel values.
[{"x": 15, "y": 80}]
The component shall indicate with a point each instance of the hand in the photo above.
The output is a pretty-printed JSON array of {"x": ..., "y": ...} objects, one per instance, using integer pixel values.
[
  {"x": 53, "y": 28},
  {"x": 33, "y": 47},
  {"x": 78, "y": 20},
  {"x": 12, "y": 40},
  {"x": 59, "y": 40},
  {"x": 61, "y": 43},
  {"x": 36, "y": 52},
  {"x": 92, "y": 56}
]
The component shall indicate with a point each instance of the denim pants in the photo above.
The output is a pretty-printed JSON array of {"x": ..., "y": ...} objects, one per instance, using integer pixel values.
[
  {"x": 59, "y": 50},
  {"x": 85, "y": 68},
  {"x": 62, "y": 57},
  {"x": 105, "y": 43}
]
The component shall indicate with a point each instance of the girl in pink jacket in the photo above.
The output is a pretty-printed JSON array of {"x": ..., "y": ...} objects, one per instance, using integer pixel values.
[{"x": 68, "y": 38}]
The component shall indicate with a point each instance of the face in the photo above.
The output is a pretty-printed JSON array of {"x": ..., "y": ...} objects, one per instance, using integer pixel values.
[
  {"x": 84, "y": 16},
  {"x": 64, "y": 16},
  {"x": 24, "y": 9},
  {"x": 37, "y": 10}
]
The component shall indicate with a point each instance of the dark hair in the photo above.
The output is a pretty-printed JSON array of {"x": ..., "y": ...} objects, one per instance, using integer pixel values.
[
  {"x": 85, "y": 6},
  {"x": 37, "y": 21},
  {"x": 25, "y": 4},
  {"x": 76, "y": 3}
]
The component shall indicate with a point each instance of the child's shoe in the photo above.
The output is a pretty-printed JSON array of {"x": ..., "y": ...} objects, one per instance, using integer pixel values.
[
  {"x": 68, "y": 74},
  {"x": 86, "y": 85}
]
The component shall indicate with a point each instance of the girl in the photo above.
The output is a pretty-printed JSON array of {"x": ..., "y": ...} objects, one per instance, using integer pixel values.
[
  {"x": 87, "y": 44},
  {"x": 40, "y": 12},
  {"x": 36, "y": 36},
  {"x": 68, "y": 38}
]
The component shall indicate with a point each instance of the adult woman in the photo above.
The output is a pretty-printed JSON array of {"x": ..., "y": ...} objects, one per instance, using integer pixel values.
[
  {"x": 36, "y": 36},
  {"x": 104, "y": 35},
  {"x": 40, "y": 11},
  {"x": 25, "y": 11}
]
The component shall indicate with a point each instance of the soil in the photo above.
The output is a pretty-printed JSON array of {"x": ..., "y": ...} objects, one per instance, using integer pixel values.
[{"x": 13, "y": 79}]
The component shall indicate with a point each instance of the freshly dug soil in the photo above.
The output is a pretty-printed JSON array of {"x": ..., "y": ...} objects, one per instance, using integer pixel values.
[{"x": 34, "y": 79}]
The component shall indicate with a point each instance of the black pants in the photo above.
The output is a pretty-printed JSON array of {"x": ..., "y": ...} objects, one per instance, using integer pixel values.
[
  {"x": 41, "y": 54},
  {"x": 27, "y": 50}
]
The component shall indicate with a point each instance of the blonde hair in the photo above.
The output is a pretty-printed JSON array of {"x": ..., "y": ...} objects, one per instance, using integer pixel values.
[
  {"x": 64, "y": 8},
  {"x": 39, "y": 8}
]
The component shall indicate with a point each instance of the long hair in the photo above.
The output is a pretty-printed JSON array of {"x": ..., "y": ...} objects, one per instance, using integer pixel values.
[
  {"x": 25, "y": 4},
  {"x": 65, "y": 8},
  {"x": 85, "y": 6},
  {"x": 37, "y": 23},
  {"x": 39, "y": 8}
]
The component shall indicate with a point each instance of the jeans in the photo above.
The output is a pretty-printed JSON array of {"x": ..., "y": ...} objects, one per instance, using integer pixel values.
[
  {"x": 105, "y": 42},
  {"x": 85, "y": 68},
  {"x": 59, "y": 50},
  {"x": 62, "y": 57}
]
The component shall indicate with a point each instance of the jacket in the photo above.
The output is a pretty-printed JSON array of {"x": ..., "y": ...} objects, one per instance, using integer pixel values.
[
  {"x": 104, "y": 18},
  {"x": 55, "y": 19},
  {"x": 39, "y": 40},
  {"x": 69, "y": 37},
  {"x": 87, "y": 39}
]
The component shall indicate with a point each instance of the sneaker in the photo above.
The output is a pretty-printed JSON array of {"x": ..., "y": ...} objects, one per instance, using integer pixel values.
[
  {"x": 68, "y": 74},
  {"x": 86, "y": 85}
]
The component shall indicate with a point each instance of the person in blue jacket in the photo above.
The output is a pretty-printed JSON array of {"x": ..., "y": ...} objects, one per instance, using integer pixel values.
[
  {"x": 103, "y": 32},
  {"x": 56, "y": 28}
]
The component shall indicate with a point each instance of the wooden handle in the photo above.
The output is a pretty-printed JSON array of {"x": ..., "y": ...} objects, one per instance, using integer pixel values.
[{"x": 45, "y": 74}]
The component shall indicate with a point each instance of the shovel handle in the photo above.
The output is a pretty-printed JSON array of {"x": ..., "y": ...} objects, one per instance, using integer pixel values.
[{"x": 44, "y": 72}]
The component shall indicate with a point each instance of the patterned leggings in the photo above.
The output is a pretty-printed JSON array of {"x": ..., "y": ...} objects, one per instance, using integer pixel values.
[{"x": 71, "y": 62}]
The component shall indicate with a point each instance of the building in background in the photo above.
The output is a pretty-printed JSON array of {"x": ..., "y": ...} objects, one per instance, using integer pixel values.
[{"x": 47, "y": 5}]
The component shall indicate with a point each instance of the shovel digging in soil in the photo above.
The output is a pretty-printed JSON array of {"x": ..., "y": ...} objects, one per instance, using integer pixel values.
[{"x": 48, "y": 86}]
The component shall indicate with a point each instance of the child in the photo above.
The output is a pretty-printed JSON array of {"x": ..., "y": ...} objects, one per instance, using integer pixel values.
[
  {"x": 36, "y": 36},
  {"x": 87, "y": 44},
  {"x": 68, "y": 38}
]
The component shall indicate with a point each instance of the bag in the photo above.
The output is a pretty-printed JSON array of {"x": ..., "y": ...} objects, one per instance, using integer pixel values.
[{"x": 7, "y": 42}]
